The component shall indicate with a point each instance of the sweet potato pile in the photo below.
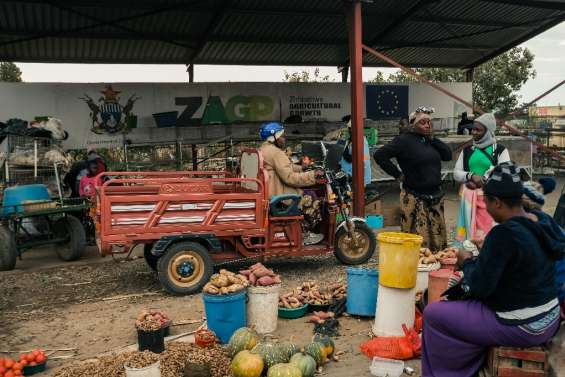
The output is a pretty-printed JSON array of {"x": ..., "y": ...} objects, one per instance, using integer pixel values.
[
  {"x": 427, "y": 257},
  {"x": 225, "y": 282},
  {"x": 292, "y": 300},
  {"x": 261, "y": 276},
  {"x": 152, "y": 320},
  {"x": 320, "y": 317},
  {"x": 310, "y": 292}
]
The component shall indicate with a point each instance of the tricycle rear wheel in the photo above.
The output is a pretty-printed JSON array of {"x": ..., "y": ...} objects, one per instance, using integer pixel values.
[
  {"x": 345, "y": 249},
  {"x": 185, "y": 268},
  {"x": 8, "y": 249},
  {"x": 69, "y": 227},
  {"x": 150, "y": 259}
]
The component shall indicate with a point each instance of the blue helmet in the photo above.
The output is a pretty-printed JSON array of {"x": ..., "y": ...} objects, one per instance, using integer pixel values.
[{"x": 270, "y": 129}]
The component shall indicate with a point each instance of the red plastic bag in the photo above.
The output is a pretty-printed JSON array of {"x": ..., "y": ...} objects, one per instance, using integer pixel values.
[{"x": 394, "y": 347}]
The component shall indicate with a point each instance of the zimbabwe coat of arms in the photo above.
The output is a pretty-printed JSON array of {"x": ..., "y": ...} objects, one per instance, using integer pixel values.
[{"x": 108, "y": 115}]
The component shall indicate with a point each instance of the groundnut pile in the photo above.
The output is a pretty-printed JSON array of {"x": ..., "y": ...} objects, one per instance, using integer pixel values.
[{"x": 173, "y": 362}]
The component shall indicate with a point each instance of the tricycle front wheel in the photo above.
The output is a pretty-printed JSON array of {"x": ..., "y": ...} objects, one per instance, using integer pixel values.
[
  {"x": 71, "y": 229},
  {"x": 185, "y": 268},
  {"x": 355, "y": 248},
  {"x": 8, "y": 249}
]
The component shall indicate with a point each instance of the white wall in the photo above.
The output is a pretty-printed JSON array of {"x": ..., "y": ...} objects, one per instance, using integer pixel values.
[{"x": 245, "y": 102}]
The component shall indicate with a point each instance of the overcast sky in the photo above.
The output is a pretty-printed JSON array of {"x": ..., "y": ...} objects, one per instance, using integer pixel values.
[{"x": 548, "y": 48}]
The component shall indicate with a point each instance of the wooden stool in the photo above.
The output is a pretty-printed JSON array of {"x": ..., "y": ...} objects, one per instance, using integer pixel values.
[{"x": 515, "y": 362}]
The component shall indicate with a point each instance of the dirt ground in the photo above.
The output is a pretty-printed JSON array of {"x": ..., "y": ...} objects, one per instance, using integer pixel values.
[{"x": 45, "y": 303}]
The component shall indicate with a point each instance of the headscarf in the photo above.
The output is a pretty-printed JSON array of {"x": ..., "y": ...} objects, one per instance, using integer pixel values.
[
  {"x": 416, "y": 116},
  {"x": 489, "y": 121}
]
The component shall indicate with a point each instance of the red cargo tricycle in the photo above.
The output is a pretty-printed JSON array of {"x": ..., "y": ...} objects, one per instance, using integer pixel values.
[{"x": 189, "y": 221}]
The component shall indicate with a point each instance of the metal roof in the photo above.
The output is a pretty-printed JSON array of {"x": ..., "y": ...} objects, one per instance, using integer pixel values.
[{"x": 417, "y": 33}]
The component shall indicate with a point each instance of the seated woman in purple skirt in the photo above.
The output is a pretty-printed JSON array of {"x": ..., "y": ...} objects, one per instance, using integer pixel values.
[{"x": 511, "y": 298}]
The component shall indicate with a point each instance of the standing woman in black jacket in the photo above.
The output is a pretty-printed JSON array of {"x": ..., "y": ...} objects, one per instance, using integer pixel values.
[{"x": 419, "y": 155}]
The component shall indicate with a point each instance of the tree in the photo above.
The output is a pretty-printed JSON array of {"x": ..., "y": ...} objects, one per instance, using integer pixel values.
[
  {"x": 495, "y": 83},
  {"x": 10, "y": 72},
  {"x": 379, "y": 78},
  {"x": 304, "y": 76}
]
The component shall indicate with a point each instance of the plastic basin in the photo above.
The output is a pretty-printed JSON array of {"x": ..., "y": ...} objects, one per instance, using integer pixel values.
[{"x": 293, "y": 313}]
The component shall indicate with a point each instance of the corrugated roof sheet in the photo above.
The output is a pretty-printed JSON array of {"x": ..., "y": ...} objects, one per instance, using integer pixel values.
[{"x": 453, "y": 33}]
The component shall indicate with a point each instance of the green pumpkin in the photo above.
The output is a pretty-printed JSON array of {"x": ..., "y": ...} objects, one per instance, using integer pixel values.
[
  {"x": 316, "y": 351},
  {"x": 243, "y": 338},
  {"x": 270, "y": 353},
  {"x": 326, "y": 342},
  {"x": 284, "y": 370},
  {"x": 247, "y": 364},
  {"x": 305, "y": 363},
  {"x": 288, "y": 349}
]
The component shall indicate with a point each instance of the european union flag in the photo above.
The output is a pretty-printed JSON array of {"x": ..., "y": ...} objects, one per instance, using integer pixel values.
[{"x": 386, "y": 101}]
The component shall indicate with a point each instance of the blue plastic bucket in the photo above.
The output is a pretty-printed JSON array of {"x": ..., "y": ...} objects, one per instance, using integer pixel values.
[
  {"x": 375, "y": 221},
  {"x": 362, "y": 286},
  {"x": 225, "y": 313}
]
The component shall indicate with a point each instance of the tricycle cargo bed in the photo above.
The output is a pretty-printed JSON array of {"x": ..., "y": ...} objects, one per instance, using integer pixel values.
[{"x": 142, "y": 209}]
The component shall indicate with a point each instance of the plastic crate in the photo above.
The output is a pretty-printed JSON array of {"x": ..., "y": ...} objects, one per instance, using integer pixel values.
[{"x": 516, "y": 362}]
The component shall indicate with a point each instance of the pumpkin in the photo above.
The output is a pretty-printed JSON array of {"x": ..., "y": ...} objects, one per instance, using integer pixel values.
[
  {"x": 284, "y": 370},
  {"x": 317, "y": 352},
  {"x": 243, "y": 338},
  {"x": 327, "y": 344},
  {"x": 247, "y": 364},
  {"x": 305, "y": 363},
  {"x": 270, "y": 353},
  {"x": 288, "y": 349}
]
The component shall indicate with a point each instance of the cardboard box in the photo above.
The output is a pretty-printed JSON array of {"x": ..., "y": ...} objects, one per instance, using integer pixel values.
[{"x": 373, "y": 208}]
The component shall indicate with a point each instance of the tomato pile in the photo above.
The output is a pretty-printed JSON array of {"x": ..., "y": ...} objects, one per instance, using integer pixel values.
[{"x": 12, "y": 368}]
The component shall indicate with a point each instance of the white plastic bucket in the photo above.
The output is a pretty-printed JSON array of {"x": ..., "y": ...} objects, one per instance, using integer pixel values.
[
  {"x": 153, "y": 370},
  {"x": 423, "y": 275},
  {"x": 263, "y": 308},
  {"x": 395, "y": 307}
]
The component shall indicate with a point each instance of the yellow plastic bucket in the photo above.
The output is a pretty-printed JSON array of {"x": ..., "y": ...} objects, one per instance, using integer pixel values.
[{"x": 398, "y": 259}]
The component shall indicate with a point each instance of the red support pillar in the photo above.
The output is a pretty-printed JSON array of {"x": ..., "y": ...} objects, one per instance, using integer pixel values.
[{"x": 357, "y": 99}]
